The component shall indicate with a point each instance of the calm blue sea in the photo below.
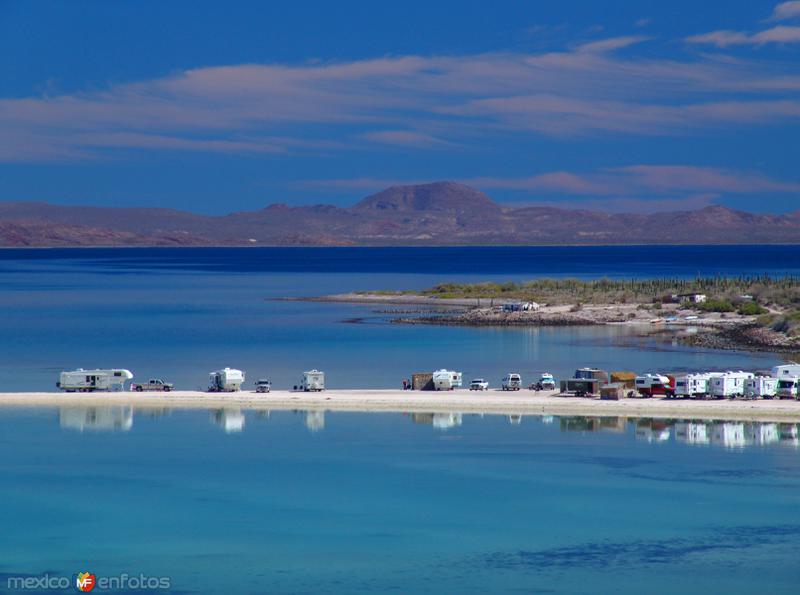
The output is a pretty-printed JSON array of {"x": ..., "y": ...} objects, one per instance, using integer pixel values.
[
  {"x": 295, "y": 502},
  {"x": 298, "y": 502},
  {"x": 181, "y": 313}
]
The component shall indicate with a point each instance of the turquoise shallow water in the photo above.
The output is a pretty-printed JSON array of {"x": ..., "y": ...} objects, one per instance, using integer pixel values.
[{"x": 254, "y": 502}]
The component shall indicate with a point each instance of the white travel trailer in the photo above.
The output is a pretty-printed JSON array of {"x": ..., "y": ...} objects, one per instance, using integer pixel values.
[
  {"x": 788, "y": 387},
  {"x": 114, "y": 419},
  {"x": 313, "y": 381},
  {"x": 692, "y": 433},
  {"x": 760, "y": 387},
  {"x": 512, "y": 381},
  {"x": 786, "y": 370},
  {"x": 226, "y": 380},
  {"x": 90, "y": 380},
  {"x": 728, "y": 384},
  {"x": 446, "y": 379},
  {"x": 692, "y": 385}
]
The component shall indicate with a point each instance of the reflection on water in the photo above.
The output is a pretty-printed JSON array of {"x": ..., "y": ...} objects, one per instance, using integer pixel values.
[
  {"x": 229, "y": 419},
  {"x": 727, "y": 434},
  {"x": 96, "y": 418}
]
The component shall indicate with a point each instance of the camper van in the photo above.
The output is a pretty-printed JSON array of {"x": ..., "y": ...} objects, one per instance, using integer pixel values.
[
  {"x": 728, "y": 384},
  {"x": 227, "y": 380},
  {"x": 692, "y": 385},
  {"x": 512, "y": 381},
  {"x": 91, "y": 380},
  {"x": 446, "y": 379},
  {"x": 788, "y": 388},
  {"x": 651, "y": 385},
  {"x": 760, "y": 387},
  {"x": 313, "y": 381}
]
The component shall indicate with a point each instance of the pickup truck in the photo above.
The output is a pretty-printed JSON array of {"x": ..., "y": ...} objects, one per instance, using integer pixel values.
[
  {"x": 478, "y": 384},
  {"x": 153, "y": 384}
]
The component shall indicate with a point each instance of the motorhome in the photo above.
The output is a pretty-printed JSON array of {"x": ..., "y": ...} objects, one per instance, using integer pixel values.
[
  {"x": 760, "y": 387},
  {"x": 512, "y": 381},
  {"x": 313, "y": 381},
  {"x": 227, "y": 380},
  {"x": 728, "y": 384},
  {"x": 651, "y": 385},
  {"x": 91, "y": 380},
  {"x": 788, "y": 387},
  {"x": 446, "y": 379},
  {"x": 791, "y": 369},
  {"x": 692, "y": 385}
]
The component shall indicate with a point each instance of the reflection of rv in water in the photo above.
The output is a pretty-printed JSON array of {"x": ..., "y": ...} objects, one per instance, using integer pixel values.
[
  {"x": 730, "y": 435},
  {"x": 229, "y": 419},
  {"x": 692, "y": 433},
  {"x": 315, "y": 420},
  {"x": 788, "y": 435},
  {"x": 762, "y": 433},
  {"x": 91, "y": 380},
  {"x": 652, "y": 431},
  {"x": 445, "y": 421},
  {"x": 96, "y": 418}
]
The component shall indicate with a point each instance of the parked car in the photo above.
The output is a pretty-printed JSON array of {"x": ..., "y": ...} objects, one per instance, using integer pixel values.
[
  {"x": 263, "y": 385},
  {"x": 479, "y": 384},
  {"x": 512, "y": 381}
]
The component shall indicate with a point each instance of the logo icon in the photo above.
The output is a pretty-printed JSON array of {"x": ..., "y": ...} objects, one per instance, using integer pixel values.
[{"x": 85, "y": 581}]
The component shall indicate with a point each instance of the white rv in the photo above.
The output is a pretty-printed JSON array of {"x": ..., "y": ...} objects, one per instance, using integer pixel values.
[
  {"x": 226, "y": 380},
  {"x": 90, "y": 380},
  {"x": 760, "y": 387},
  {"x": 788, "y": 387},
  {"x": 446, "y": 379},
  {"x": 651, "y": 385},
  {"x": 512, "y": 381},
  {"x": 728, "y": 384},
  {"x": 786, "y": 370},
  {"x": 313, "y": 380},
  {"x": 692, "y": 385}
]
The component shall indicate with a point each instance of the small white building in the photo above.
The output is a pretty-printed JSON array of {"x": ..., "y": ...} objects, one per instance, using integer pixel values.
[{"x": 696, "y": 298}]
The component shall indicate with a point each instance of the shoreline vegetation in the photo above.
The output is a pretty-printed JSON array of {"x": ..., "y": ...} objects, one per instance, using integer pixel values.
[{"x": 752, "y": 313}]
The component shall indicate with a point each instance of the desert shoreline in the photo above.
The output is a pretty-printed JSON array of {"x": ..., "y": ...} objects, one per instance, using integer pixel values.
[{"x": 461, "y": 401}]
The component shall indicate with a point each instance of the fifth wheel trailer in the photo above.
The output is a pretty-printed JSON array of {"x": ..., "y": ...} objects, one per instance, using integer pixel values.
[{"x": 91, "y": 380}]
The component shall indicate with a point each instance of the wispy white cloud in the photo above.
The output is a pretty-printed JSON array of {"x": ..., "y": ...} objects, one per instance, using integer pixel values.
[
  {"x": 786, "y": 10},
  {"x": 413, "y": 101},
  {"x": 725, "y": 38}
]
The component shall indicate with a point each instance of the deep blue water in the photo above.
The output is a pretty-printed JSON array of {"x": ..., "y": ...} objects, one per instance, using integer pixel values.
[
  {"x": 283, "y": 502},
  {"x": 180, "y": 313}
]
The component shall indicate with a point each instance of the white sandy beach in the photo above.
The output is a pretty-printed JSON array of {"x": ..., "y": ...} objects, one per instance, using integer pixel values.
[{"x": 463, "y": 401}]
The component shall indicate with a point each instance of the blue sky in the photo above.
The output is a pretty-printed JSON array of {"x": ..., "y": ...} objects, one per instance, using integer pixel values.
[{"x": 215, "y": 107}]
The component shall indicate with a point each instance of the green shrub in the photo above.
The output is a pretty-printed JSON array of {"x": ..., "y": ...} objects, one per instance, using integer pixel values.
[
  {"x": 751, "y": 309},
  {"x": 715, "y": 306}
]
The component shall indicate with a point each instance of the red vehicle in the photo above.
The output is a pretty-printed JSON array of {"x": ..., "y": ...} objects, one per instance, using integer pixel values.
[{"x": 651, "y": 385}]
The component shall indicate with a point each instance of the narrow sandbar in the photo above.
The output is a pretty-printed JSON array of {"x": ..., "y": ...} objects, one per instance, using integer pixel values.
[{"x": 463, "y": 401}]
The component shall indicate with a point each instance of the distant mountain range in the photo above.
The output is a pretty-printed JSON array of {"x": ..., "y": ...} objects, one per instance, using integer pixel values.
[{"x": 439, "y": 213}]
